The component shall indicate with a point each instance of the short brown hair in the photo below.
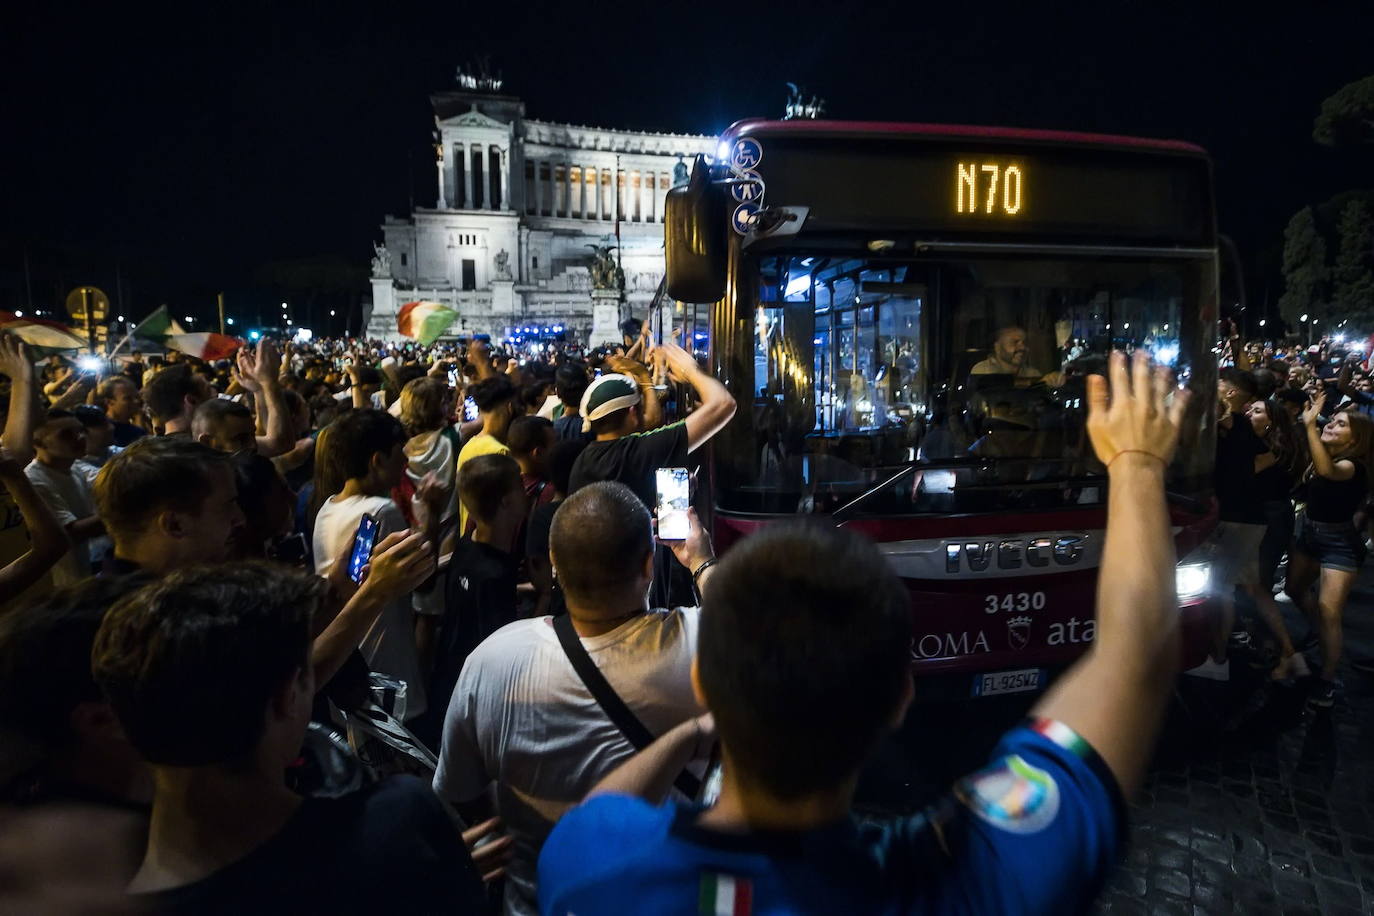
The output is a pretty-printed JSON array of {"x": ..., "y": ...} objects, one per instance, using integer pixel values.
[
  {"x": 484, "y": 481},
  {"x": 600, "y": 538},
  {"x": 153, "y": 474},
  {"x": 190, "y": 662}
]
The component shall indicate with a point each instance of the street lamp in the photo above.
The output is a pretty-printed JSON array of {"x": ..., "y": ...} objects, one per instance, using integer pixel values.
[
  {"x": 229, "y": 321},
  {"x": 1302, "y": 317},
  {"x": 1261, "y": 322},
  {"x": 189, "y": 319}
]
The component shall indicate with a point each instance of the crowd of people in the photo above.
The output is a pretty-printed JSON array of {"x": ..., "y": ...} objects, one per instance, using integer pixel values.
[
  {"x": 1295, "y": 445},
  {"x": 343, "y": 626}
]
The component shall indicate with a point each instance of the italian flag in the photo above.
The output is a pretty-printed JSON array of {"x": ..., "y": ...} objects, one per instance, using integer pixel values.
[
  {"x": 725, "y": 895},
  {"x": 45, "y": 337},
  {"x": 151, "y": 331},
  {"x": 207, "y": 346},
  {"x": 424, "y": 321}
]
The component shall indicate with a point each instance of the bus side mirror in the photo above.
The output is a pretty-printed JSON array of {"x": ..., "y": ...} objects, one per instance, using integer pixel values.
[{"x": 695, "y": 239}]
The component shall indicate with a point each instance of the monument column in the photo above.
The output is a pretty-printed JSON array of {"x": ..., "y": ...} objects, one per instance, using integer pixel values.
[
  {"x": 567, "y": 188},
  {"x": 442, "y": 203},
  {"x": 538, "y": 190},
  {"x": 460, "y": 151},
  {"x": 505, "y": 179}
]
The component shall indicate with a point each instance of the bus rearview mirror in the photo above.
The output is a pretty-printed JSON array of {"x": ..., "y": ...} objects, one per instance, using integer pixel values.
[{"x": 695, "y": 239}]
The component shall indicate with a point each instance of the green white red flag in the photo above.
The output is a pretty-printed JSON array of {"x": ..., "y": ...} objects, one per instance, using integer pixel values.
[
  {"x": 205, "y": 345},
  {"x": 424, "y": 321},
  {"x": 43, "y": 337},
  {"x": 725, "y": 895}
]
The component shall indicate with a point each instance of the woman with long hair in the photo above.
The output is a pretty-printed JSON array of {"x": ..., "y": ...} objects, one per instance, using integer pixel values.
[
  {"x": 426, "y": 413},
  {"x": 1327, "y": 550}
]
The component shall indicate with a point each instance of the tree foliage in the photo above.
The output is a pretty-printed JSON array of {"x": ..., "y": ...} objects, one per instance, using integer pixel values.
[
  {"x": 1304, "y": 269},
  {"x": 1353, "y": 275},
  {"x": 1347, "y": 116}
]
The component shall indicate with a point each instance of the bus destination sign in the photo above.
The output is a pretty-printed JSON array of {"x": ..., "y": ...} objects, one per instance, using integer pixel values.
[{"x": 940, "y": 190}]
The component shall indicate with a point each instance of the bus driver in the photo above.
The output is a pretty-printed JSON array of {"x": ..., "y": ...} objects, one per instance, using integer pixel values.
[{"x": 1008, "y": 357}]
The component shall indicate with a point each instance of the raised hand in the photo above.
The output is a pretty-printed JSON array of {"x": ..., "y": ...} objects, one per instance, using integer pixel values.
[
  {"x": 399, "y": 564},
  {"x": 681, "y": 364},
  {"x": 14, "y": 359},
  {"x": 1139, "y": 418},
  {"x": 695, "y": 548},
  {"x": 1312, "y": 413}
]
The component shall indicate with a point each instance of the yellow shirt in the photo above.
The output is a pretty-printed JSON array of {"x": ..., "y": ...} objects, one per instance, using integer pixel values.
[{"x": 480, "y": 444}]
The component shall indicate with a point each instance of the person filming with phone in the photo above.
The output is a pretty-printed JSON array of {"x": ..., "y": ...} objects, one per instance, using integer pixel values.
[
  {"x": 546, "y": 706},
  {"x": 622, "y": 451}
]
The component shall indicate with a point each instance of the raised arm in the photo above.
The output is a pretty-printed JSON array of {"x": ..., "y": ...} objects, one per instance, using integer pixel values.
[
  {"x": 1115, "y": 696},
  {"x": 47, "y": 540},
  {"x": 652, "y": 407},
  {"x": 1322, "y": 463},
  {"x": 400, "y": 562},
  {"x": 716, "y": 405},
  {"x": 650, "y": 773},
  {"x": 19, "y": 421},
  {"x": 267, "y": 369}
]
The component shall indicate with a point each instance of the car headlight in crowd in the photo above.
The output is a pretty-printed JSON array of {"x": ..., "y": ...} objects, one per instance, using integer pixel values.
[{"x": 1192, "y": 580}]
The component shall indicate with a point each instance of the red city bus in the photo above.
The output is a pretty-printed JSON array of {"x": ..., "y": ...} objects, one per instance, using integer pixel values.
[{"x": 906, "y": 314}]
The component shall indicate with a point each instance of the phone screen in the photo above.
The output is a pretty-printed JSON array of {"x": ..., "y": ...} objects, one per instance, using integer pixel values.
[
  {"x": 673, "y": 494},
  {"x": 469, "y": 410},
  {"x": 362, "y": 547}
]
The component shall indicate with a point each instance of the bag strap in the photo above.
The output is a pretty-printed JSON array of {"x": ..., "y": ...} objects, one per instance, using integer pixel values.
[{"x": 610, "y": 701}]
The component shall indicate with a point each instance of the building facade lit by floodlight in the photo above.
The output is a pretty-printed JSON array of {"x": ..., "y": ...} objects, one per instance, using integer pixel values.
[{"x": 519, "y": 202}]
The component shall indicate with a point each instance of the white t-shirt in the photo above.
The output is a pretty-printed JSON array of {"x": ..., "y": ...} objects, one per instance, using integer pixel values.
[
  {"x": 522, "y": 718},
  {"x": 389, "y": 645},
  {"x": 68, "y": 495}
]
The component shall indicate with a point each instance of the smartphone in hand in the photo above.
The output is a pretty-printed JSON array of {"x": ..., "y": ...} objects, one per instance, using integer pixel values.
[
  {"x": 674, "y": 492},
  {"x": 363, "y": 543}
]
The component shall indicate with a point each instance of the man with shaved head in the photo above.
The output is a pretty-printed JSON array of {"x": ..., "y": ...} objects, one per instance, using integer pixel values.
[{"x": 523, "y": 719}]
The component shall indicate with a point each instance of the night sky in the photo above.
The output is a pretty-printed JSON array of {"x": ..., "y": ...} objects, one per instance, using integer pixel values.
[{"x": 189, "y": 149}]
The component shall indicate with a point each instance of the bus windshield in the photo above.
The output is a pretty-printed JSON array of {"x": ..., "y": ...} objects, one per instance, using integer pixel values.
[{"x": 888, "y": 387}]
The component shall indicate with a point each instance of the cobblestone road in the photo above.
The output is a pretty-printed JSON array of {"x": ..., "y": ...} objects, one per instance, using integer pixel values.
[{"x": 1255, "y": 804}]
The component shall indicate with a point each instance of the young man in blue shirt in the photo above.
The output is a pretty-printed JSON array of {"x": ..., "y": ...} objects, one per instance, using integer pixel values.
[{"x": 803, "y": 658}]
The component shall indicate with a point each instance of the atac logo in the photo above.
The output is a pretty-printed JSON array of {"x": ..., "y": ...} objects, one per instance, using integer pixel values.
[{"x": 1018, "y": 632}]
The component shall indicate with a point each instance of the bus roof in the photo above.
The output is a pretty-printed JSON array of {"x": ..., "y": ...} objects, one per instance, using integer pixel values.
[{"x": 803, "y": 127}]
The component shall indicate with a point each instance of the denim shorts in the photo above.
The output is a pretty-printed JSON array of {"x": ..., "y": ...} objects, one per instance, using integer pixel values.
[{"x": 1334, "y": 545}]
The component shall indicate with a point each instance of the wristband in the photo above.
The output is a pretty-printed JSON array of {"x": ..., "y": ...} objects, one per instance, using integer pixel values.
[
  {"x": 1137, "y": 451},
  {"x": 705, "y": 565}
]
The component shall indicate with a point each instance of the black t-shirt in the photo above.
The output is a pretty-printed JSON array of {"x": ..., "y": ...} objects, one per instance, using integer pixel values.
[
  {"x": 1273, "y": 484},
  {"x": 537, "y": 545},
  {"x": 1238, "y": 495},
  {"x": 479, "y": 599},
  {"x": 388, "y": 848},
  {"x": 570, "y": 428},
  {"x": 632, "y": 460},
  {"x": 1334, "y": 502}
]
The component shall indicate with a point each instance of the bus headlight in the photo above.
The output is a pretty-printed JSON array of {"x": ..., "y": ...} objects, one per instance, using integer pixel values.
[{"x": 1192, "y": 580}]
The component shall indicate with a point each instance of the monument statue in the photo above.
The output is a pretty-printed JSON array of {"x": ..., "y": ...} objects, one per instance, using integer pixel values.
[
  {"x": 381, "y": 261},
  {"x": 604, "y": 271},
  {"x": 680, "y": 176},
  {"x": 503, "y": 265}
]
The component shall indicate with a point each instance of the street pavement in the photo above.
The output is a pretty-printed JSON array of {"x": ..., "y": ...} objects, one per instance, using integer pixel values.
[{"x": 1254, "y": 803}]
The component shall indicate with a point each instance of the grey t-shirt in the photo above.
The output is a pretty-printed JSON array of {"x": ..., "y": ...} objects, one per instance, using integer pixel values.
[
  {"x": 522, "y": 718},
  {"x": 389, "y": 645},
  {"x": 68, "y": 494}
]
